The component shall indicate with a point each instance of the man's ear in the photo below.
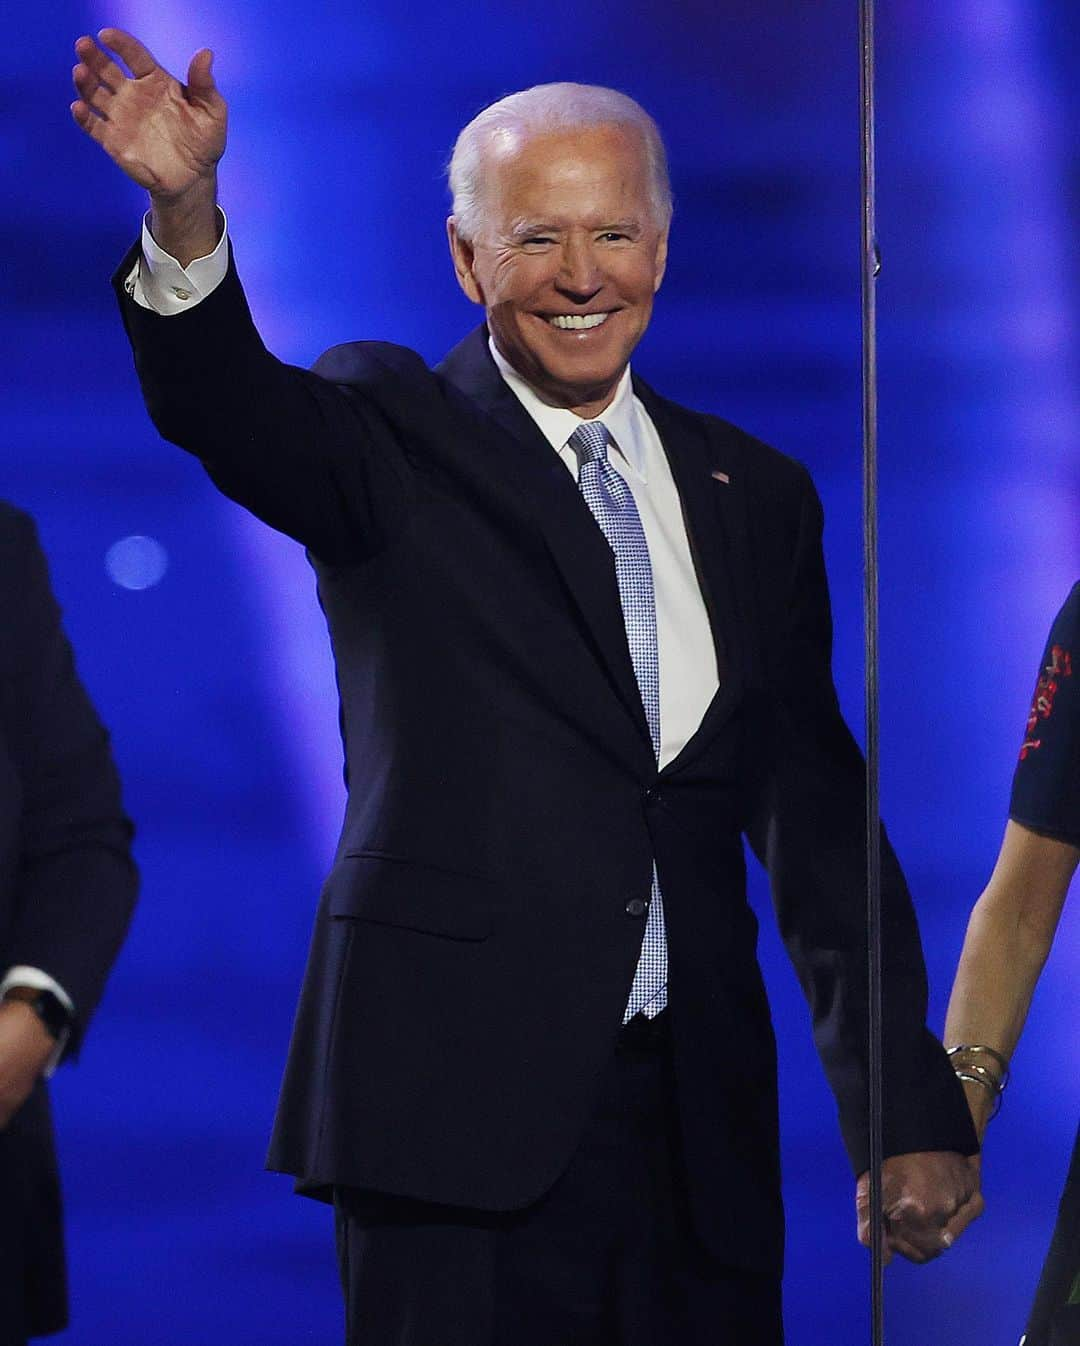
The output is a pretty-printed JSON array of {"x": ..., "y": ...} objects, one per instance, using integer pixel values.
[
  {"x": 660, "y": 264},
  {"x": 463, "y": 254}
]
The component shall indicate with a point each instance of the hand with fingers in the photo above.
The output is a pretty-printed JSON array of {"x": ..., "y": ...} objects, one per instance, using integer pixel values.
[
  {"x": 166, "y": 136},
  {"x": 929, "y": 1199}
]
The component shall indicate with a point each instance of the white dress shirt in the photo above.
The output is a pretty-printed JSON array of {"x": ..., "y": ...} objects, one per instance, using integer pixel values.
[{"x": 687, "y": 654}]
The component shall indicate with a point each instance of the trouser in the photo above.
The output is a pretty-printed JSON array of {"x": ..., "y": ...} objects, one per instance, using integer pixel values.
[
  {"x": 32, "y": 1276},
  {"x": 1054, "y": 1320},
  {"x": 13, "y": 1325},
  {"x": 607, "y": 1257}
]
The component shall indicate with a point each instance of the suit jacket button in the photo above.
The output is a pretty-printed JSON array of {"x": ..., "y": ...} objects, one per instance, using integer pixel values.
[
  {"x": 652, "y": 794},
  {"x": 637, "y": 906}
]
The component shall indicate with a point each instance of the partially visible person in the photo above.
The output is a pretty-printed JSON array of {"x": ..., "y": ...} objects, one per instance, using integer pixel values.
[
  {"x": 1009, "y": 938},
  {"x": 67, "y": 887}
]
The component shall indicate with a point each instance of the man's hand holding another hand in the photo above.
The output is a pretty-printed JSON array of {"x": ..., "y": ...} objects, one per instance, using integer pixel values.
[{"x": 929, "y": 1199}]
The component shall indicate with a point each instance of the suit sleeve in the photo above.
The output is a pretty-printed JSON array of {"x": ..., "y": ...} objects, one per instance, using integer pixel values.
[
  {"x": 75, "y": 883},
  {"x": 811, "y": 835},
  {"x": 318, "y": 455}
]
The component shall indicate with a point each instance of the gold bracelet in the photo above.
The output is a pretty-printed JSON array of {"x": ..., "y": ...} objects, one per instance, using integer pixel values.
[
  {"x": 984, "y": 1074},
  {"x": 976, "y": 1049},
  {"x": 986, "y": 1084},
  {"x": 975, "y": 1079}
]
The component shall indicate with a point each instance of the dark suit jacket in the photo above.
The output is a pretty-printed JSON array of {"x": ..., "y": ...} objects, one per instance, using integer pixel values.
[
  {"x": 67, "y": 886},
  {"x": 473, "y": 948}
]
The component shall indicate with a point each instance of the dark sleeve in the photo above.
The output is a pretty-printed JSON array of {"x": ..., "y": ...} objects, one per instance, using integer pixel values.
[
  {"x": 318, "y": 455},
  {"x": 1046, "y": 786},
  {"x": 75, "y": 883},
  {"x": 811, "y": 835}
]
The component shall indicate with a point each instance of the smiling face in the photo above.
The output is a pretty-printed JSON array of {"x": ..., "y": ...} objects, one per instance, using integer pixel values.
[{"x": 567, "y": 259}]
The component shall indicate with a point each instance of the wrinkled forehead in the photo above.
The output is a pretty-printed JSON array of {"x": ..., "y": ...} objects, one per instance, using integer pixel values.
[
  {"x": 510, "y": 148},
  {"x": 565, "y": 170}
]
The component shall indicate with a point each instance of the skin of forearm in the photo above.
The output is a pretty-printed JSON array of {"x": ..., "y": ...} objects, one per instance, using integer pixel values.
[
  {"x": 187, "y": 226},
  {"x": 1008, "y": 939},
  {"x": 999, "y": 966},
  {"x": 994, "y": 984}
]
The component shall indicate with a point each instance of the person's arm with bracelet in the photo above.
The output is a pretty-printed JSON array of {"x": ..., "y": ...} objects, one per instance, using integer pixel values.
[
  {"x": 1014, "y": 921},
  {"x": 1008, "y": 939}
]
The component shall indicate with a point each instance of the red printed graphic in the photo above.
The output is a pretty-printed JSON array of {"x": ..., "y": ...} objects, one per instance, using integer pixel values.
[{"x": 1060, "y": 666}]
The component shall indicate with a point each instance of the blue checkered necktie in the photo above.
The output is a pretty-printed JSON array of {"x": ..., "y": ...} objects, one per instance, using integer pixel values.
[{"x": 612, "y": 503}]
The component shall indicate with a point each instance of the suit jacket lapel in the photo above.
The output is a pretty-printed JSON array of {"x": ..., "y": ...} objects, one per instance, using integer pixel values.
[
  {"x": 544, "y": 488},
  {"x": 714, "y": 511}
]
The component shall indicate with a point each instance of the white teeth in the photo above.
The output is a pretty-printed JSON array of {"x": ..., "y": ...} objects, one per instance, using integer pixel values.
[{"x": 578, "y": 322}]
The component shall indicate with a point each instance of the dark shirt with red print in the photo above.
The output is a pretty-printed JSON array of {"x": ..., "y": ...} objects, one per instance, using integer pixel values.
[{"x": 1046, "y": 787}]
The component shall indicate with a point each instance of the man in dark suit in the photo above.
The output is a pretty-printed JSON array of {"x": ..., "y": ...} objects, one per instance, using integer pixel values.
[
  {"x": 67, "y": 886},
  {"x": 583, "y": 644}
]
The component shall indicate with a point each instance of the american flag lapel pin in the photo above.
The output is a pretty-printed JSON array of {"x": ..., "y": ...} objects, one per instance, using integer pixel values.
[{"x": 721, "y": 476}]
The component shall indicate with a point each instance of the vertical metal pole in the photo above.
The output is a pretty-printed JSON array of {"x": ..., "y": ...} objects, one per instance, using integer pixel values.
[{"x": 870, "y": 269}]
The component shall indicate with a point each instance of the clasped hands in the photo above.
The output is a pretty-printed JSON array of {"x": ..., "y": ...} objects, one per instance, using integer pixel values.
[{"x": 928, "y": 1200}]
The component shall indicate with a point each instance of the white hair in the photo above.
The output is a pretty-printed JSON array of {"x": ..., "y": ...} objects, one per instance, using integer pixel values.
[{"x": 537, "y": 111}]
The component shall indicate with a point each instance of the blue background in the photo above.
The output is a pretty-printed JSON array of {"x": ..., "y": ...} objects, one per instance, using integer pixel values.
[{"x": 216, "y": 681}]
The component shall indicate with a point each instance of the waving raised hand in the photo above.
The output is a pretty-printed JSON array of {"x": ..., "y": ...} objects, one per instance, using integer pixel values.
[{"x": 165, "y": 135}]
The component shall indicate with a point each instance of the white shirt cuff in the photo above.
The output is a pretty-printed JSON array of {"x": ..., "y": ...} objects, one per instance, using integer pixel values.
[
  {"x": 158, "y": 282},
  {"x": 41, "y": 981},
  {"x": 37, "y": 981}
]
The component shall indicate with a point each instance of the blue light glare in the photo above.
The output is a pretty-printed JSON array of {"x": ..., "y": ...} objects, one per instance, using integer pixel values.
[{"x": 136, "y": 562}]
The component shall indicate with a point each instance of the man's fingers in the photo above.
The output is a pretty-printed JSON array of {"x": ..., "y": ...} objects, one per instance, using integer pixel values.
[
  {"x": 130, "y": 50},
  {"x": 887, "y": 1242},
  {"x": 862, "y": 1207},
  {"x": 922, "y": 1240},
  {"x": 969, "y": 1211},
  {"x": 96, "y": 95},
  {"x": 92, "y": 124},
  {"x": 924, "y": 1246},
  {"x": 933, "y": 1198},
  {"x": 105, "y": 69},
  {"x": 912, "y": 1251},
  {"x": 200, "y": 79}
]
